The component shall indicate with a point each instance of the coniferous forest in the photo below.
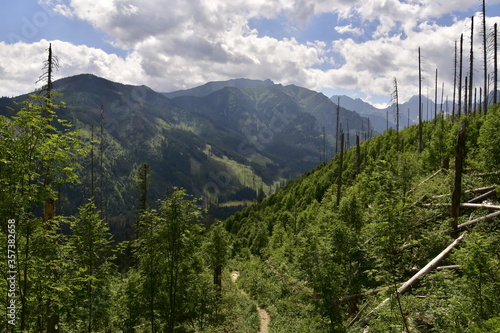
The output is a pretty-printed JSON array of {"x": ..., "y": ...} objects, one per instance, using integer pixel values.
[{"x": 398, "y": 233}]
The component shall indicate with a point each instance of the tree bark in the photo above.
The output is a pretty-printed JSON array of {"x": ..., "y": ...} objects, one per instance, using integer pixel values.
[
  {"x": 457, "y": 186},
  {"x": 420, "y": 142},
  {"x": 471, "y": 70},
  {"x": 358, "y": 155},
  {"x": 495, "y": 68},
  {"x": 471, "y": 222},
  {"x": 408, "y": 284},
  {"x": 483, "y": 196},
  {"x": 454, "y": 82},
  {"x": 339, "y": 179},
  {"x": 460, "y": 76},
  {"x": 485, "y": 60}
]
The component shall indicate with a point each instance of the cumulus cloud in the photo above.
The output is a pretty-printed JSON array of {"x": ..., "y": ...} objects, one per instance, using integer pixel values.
[
  {"x": 349, "y": 29},
  {"x": 176, "y": 45},
  {"x": 23, "y": 64}
]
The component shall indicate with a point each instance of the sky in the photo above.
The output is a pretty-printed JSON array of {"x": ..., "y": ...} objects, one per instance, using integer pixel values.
[{"x": 344, "y": 47}]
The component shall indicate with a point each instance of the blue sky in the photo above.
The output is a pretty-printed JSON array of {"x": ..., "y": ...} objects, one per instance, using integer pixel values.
[{"x": 354, "y": 47}]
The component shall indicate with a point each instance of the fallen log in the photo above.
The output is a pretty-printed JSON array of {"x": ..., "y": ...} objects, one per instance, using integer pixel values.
[
  {"x": 471, "y": 222},
  {"x": 358, "y": 314},
  {"x": 483, "y": 196},
  {"x": 442, "y": 268},
  {"x": 485, "y": 174},
  {"x": 466, "y": 205},
  {"x": 408, "y": 284},
  {"x": 427, "y": 179},
  {"x": 476, "y": 190},
  {"x": 476, "y": 205}
]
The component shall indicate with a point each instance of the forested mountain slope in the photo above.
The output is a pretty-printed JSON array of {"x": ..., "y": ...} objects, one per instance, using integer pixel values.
[
  {"x": 329, "y": 252},
  {"x": 332, "y": 245},
  {"x": 223, "y": 141}
]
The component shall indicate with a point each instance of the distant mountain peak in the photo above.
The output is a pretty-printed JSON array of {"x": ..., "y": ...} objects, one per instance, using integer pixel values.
[{"x": 210, "y": 87}]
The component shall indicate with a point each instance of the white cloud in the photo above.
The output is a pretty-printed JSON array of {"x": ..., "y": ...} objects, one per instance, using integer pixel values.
[
  {"x": 176, "y": 45},
  {"x": 349, "y": 29},
  {"x": 23, "y": 65}
]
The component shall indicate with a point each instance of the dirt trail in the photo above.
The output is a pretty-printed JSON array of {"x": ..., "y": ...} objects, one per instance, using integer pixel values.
[{"x": 263, "y": 315}]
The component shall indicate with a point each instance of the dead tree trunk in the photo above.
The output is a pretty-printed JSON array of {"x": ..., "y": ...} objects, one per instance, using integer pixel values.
[
  {"x": 420, "y": 140},
  {"x": 435, "y": 96},
  {"x": 479, "y": 219},
  {"x": 460, "y": 76},
  {"x": 358, "y": 155},
  {"x": 454, "y": 83},
  {"x": 337, "y": 126},
  {"x": 471, "y": 70},
  {"x": 465, "y": 96},
  {"x": 408, "y": 284},
  {"x": 485, "y": 60},
  {"x": 495, "y": 68},
  {"x": 457, "y": 186},
  {"x": 339, "y": 178}
]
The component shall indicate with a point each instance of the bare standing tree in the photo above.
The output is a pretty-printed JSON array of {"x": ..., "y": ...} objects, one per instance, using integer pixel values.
[
  {"x": 485, "y": 60},
  {"x": 435, "y": 96},
  {"x": 454, "y": 81},
  {"x": 495, "y": 64},
  {"x": 471, "y": 70},
  {"x": 337, "y": 126},
  {"x": 460, "y": 76},
  {"x": 341, "y": 163},
  {"x": 395, "y": 100},
  {"x": 420, "y": 142},
  {"x": 50, "y": 65}
]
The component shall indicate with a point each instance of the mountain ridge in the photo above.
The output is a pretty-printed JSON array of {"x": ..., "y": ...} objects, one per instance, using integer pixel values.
[{"x": 219, "y": 146}]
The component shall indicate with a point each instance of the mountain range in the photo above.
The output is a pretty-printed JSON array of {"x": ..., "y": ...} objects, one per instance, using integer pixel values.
[
  {"x": 383, "y": 118},
  {"x": 227, "y": 142},
  {"x": 223, "y": 141}
]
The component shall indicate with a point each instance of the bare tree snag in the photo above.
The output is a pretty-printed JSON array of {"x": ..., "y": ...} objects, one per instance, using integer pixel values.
[
  {"x": 454, "y": 82},
  {"x": 435, "y": 96},
  {"x": 485, "y": 63},
  {"x": 337, "y": 126},
  {"x": 471, "y": 59},
  {"x": 358, "y": 155},
  {"x": 457, "y": 186},
  {"x": 420, "y": 140},
  {"x": 339, "y": 179},
  {"x": 495, "y": 64},
  {"x": 460, "y": 76}
]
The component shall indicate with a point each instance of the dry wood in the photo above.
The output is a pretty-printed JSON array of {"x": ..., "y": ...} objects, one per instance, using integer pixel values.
[
  {"x": 432, "y": 264},
  {"x": 466, "y": 205},
  {"x": 476, "y": 190},
  {"x": 485, "y": 174},
  {"x": 482, "y": 189},
  {"x": 457, "y": 183},
  {"x": 358, "y": 314},
  {"x": 442, "y": 268},
  {"x": 427, "y": 179},
  {"x": 471, "y": 222},
  {"x": 483, "y": 196},
  {"x": 408, "y": 284},
  {"x": 475, "y": 205}
]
